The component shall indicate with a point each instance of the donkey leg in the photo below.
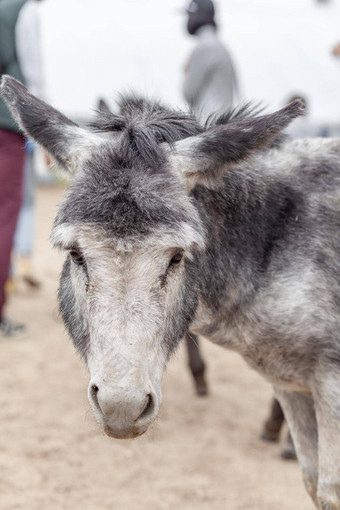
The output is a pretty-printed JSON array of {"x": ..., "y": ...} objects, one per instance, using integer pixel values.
[
  {"x": 327, "y": 405},
  {"x": 273, "y": 424},
  {"x": 288, "y": 451},
  {"x": 196, "y": 364},
  {"x": 300, "y": 415}
]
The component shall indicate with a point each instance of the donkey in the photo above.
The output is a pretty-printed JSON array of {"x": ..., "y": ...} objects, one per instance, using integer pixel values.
[{"x": 222, "y": 230}]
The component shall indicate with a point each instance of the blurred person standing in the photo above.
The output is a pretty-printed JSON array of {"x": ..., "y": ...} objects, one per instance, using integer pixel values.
[
  {"x": 210, "y": 83},
  {"x": 29, "y": 52},
  {"x": 12, "y": 153},
  {"x": 336, "y": 50}
]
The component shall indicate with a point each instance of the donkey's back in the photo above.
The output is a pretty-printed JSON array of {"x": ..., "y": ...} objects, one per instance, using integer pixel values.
[
  {"x": 304, "y": 267},
  {"x": 288, "y": 320}
]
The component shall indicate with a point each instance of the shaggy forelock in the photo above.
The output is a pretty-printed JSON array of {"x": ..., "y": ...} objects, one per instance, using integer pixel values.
[
  {"x": 125, "y": 185},
  {"x": 144, "y": 125},
  {"x": 128, "y": 203}
]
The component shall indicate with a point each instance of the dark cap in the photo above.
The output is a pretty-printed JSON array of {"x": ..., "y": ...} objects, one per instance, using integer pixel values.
[
  {"x": 201, "y": 7},
  {"x": 201, "y": 13}
]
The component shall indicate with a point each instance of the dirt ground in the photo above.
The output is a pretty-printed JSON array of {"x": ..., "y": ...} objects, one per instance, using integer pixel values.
[{"x": 201, "y": 454}]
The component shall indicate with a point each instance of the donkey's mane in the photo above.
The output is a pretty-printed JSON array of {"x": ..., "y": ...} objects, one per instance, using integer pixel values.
[
  {"x": 144, "y": 125},
  {"x": 239, "y": 112}
]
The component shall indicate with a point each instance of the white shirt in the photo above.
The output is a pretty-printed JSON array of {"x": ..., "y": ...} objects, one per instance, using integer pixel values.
[{"x": 28, "y": 46}]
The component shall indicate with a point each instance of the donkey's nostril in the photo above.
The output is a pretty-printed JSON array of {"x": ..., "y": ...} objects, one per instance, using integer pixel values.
[
  {"x": 94, "y": 391},
  {"x": 148, "y": 407}
]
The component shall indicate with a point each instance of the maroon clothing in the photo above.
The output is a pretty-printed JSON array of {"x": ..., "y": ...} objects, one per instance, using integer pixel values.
[{"x": 11, "y": 172}]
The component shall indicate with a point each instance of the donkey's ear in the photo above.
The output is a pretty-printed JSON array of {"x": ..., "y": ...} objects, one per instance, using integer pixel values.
[
  {"x": 202, "y": 159},
  {"x": 103, "y": 107},
  {"x": 61, "y": 137}
]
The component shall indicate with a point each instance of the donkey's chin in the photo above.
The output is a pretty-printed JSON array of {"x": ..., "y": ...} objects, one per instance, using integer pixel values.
[
  {"x": 125, "y": 430},
  {"x": 125, "y": 434}
]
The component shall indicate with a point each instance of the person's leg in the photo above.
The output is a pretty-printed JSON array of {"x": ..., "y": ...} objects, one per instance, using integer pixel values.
[
  {"x": 23, "y": 239},
  {"x": 24, "y": 235},
  {"x": 11, "y": 172}
]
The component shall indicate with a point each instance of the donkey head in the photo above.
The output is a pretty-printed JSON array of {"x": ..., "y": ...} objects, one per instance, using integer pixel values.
[{"x": 133, "y": 237}]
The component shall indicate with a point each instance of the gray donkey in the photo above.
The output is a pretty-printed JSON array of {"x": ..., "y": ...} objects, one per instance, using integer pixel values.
[{"x": 224, "y": 231}]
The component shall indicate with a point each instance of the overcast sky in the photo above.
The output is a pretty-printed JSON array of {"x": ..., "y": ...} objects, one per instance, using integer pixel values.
[{"x": 98, "y": 48}]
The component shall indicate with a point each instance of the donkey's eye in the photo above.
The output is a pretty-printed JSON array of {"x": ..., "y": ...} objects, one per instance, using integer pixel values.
[
  {"x": 176, "y": 259},
  {"x": 77, "y": 257}
]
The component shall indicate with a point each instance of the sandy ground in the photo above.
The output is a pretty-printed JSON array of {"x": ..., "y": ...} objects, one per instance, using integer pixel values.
[{"x": 201, "y": 454}]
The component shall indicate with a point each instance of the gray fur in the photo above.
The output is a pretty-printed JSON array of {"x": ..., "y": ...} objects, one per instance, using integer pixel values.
[{"x": 258, "y": 226}]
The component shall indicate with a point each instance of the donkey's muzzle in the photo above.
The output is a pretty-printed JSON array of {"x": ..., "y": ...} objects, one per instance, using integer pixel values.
[{"x": 123, "y": 412}]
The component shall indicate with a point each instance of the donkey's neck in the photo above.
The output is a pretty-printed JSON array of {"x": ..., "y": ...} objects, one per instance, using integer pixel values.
[{"x": 246, "y": 221}]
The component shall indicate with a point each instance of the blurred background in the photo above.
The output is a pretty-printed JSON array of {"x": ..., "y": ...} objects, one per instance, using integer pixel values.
[{"x": 280, "y": 48}]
